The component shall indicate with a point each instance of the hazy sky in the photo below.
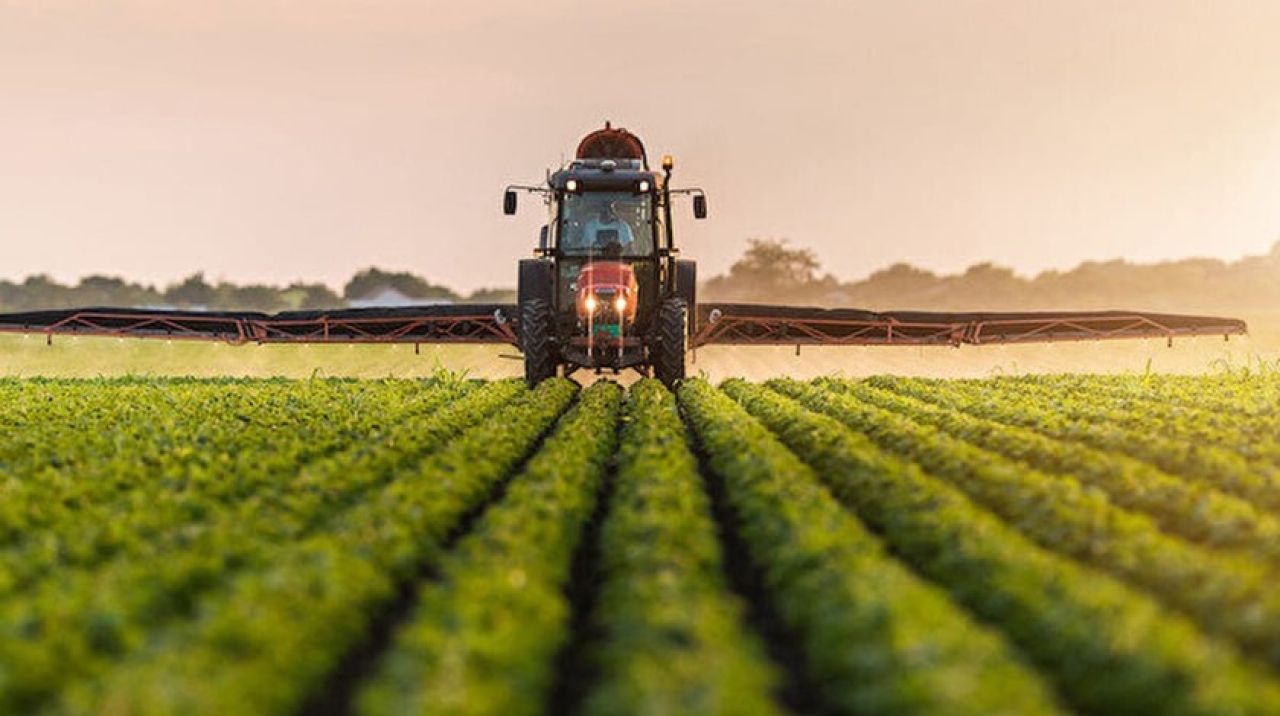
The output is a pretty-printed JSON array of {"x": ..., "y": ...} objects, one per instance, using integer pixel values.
[{"x": 267, "y": 140}]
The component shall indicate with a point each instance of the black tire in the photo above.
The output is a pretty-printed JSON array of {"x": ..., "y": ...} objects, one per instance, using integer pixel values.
[
  {"x": 668, "y": 351},
  {"x": 535, "y": 280},
  {"x": 687, "y": 288},
  {"x": 535, "y": 341}
]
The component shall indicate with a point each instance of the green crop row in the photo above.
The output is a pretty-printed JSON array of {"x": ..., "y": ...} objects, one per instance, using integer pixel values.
[
  {"x": 97, "y": 502},
  {"x": 270, "y": 475},
  {"x": 875, "y": 638},
  {"x": 671, "y": 638},
  {"x": 136, "y": 420},
  {"x": 108, "y": 436},
  {"x": 270, "y": 639},
  {"x": 1227, "y": 594},
  {"x": 1108, "y": 648},
  {"x": 1183, "y": 507},
  {"x": 1253, "y": 438},
  {"x": 484, "y": 637},
  {"x": 1246, "y": 397},
  {"x": 392, "y": 546},
  {"x": 1217, "y": 465},
  {"x": 78, "y": 595},
  {"x": 79, "y": 623},
  {"x": 237, "y": 473}
]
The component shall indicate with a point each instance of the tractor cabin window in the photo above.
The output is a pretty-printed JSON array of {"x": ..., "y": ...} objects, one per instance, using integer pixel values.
[{"x": 606, "y": 224}]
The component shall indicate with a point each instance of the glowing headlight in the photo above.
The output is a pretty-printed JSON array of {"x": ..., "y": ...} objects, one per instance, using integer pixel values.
[
  {"x": 590, "y": 303},
  {"x": 644, "y": 185},
  {"x": 571, "y": 185},
  {"x": 620, "y": 304}
]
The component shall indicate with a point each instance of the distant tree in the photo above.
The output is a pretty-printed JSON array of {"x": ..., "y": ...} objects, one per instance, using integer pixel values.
[
  {"x": 902, "y": 278},
  {"x": 252, "y": 297},
  {"x": 987, "y": 286},
  {"x": 769, "y": 270},
  {"x": 10, "y": 295},
  {"x": 310, "y": 297},
  {"x": 41, "y": 291},
  {"x": 191, "y": 291},
  {"x": 372, "y": 280},
  {"x": 773, "y": 263},
  {"x": 113, "y": 291}
]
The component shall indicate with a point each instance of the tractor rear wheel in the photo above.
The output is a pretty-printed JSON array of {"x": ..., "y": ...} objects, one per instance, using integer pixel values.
[
  {"x": 535, "y": 341},
  {"x": 668, "y": 356}
]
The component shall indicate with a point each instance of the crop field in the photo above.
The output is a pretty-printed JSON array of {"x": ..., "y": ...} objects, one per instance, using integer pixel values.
[{"x": 1038, "y": 544}]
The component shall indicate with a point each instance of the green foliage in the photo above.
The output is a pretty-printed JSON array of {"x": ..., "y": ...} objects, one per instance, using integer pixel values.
[
  {"x": 1187, "y": 508},
  {"x": 875, "y": 638},
  {"x": 1251, "y": 437},
  {"x": 1103, "y": 544},
  {"x": 671, "y": 634},
  {"x": 1109, "y": 649},
  {"x": 1218, "y": 463},
  {"x": 252, "y": 649},
  {"x": 146, "y": 551},
  {"x": 483, "y": 638},
  {"x": 1231, "y": 595}
]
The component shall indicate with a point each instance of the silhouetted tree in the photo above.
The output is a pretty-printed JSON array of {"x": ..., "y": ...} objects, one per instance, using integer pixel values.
[
  {"x": 372, "y": 280},
  {"x": 769, "y": 270},
  {"x": 191, "y": 291},
  {"x": 311, "y": 296}
]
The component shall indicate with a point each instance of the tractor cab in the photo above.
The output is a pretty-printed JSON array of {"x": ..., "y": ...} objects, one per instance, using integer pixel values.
[
  {"x": 607, "y": 265},
  {"x": 605, "y": 238}
]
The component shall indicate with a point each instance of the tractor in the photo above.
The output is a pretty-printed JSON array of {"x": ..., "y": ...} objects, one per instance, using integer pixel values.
[{"x": 607, "y": 291}]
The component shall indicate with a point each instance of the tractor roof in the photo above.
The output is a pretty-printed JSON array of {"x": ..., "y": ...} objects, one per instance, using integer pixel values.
[{"x": 605, "y": 175}]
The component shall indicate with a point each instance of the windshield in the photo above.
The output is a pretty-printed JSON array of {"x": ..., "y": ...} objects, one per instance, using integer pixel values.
[{"x": 606, "y": 224}]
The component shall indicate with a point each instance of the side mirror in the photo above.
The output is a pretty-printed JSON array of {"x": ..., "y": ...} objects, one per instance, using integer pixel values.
[
  {"x": 699, "y": 206},
  {"x": 509, "y": 202},
  {"x": 544, "y": 235}
]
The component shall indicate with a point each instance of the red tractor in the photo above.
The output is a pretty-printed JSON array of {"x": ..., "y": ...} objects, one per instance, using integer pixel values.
[{"x": 607, "y": 291}]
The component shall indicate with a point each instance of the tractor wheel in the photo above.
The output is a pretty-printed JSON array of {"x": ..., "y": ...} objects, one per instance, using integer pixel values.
[
  {"x": 668, "y": 356},
  {"x": 535, "y": 341},
  {"x": 687, "y": 288}
]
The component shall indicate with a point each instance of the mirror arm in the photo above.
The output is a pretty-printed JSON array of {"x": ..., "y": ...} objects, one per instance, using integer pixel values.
[
  {"x": 509, "y": 196},
  {"x": 531, "y": 189}
]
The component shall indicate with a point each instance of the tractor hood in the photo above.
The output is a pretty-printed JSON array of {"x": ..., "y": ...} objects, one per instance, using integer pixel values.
[{"x": 607, "y": 289}]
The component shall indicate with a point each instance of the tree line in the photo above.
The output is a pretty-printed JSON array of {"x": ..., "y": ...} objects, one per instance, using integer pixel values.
[
  {"x": 769, "y": 271},
  {"x": 196, "y": 292},
  {"x": 772, "y": 271}
]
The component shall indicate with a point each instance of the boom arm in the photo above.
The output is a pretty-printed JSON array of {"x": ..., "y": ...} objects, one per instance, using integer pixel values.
[
  {"x": 758, "y": 324},
  {"x": 468, "y": 323},
  {"x": 717, "y": 323}
]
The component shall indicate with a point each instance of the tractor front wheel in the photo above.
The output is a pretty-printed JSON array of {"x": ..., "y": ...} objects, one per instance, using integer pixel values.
[
  {"x": 668, "y": 354},
  {"x": 535, "y": 341}
]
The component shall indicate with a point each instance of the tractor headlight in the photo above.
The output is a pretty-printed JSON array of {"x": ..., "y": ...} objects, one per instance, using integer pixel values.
[
  {"x": 644, "y": 186},
  {"x": 571, "y": 185},
  {"x": 620, "y": 304},
  {"x": 590, "y": 304}
]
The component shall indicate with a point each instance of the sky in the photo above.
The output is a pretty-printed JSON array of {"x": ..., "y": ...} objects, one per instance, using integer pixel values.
[{"x": 264, "y": 140}]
